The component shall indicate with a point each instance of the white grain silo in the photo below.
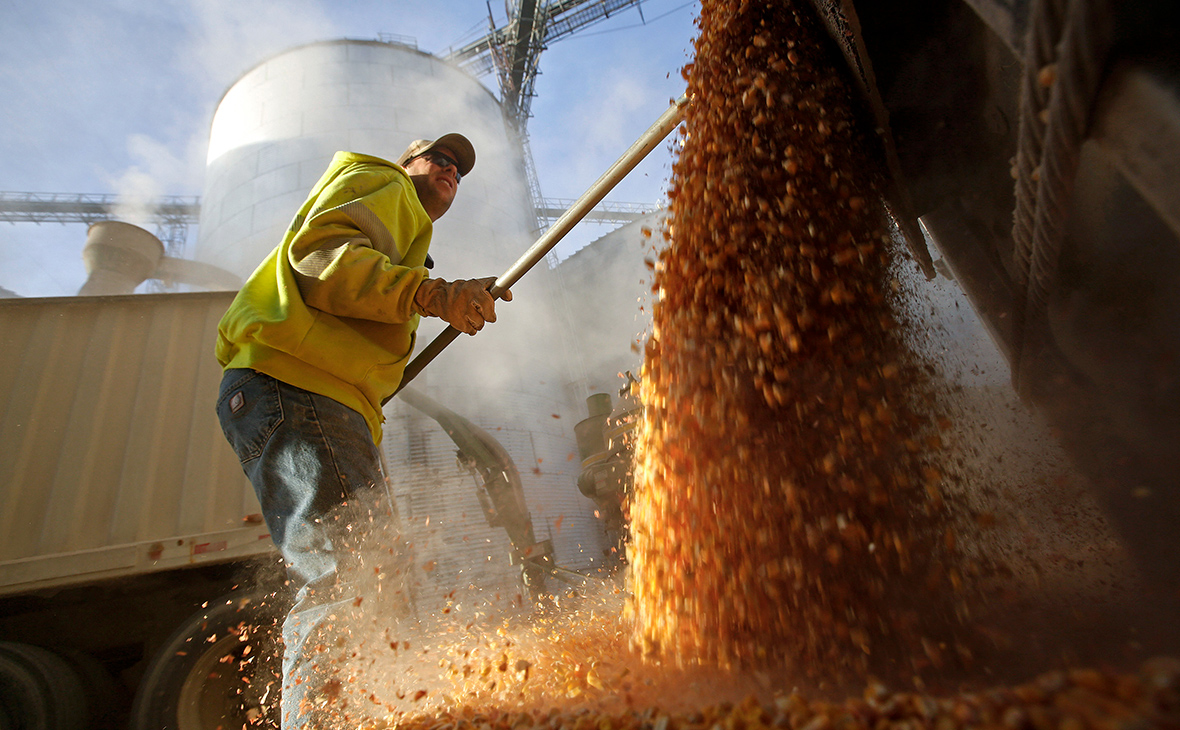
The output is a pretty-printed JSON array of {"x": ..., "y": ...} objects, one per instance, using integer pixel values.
[
  {"x": 272, "y": 136},
  {"x": 606, "y": 296}
]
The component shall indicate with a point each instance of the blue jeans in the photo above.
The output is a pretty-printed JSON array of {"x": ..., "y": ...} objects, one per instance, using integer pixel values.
[{"x": 317, "y": 475}]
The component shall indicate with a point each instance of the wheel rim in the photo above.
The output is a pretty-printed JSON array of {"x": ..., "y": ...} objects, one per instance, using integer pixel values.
[{"x": 215, "y": 693}]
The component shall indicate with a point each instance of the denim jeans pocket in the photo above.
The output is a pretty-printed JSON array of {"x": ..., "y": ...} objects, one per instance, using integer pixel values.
[{"x": 250, "y": 409}]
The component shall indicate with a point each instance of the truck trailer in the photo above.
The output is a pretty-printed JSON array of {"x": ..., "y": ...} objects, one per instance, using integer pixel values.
[
  {"x": 1036, "y": 145},
  {"x": 124, "y": 510}
]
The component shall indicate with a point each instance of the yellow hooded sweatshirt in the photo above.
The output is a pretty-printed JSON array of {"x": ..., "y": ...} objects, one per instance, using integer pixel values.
[{"x": 330, "y": 309}]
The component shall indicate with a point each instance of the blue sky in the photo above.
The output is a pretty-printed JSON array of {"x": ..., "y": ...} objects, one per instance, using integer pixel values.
[{"x": 102, "y": 97}]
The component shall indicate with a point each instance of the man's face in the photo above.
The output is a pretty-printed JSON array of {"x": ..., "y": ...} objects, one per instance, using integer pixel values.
[{"x": 436, "y": 178}]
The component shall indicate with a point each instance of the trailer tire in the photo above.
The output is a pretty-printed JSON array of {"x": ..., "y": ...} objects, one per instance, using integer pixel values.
[
  {"x": 222, "y": 667},
  {"x": 40, "y": 690}
]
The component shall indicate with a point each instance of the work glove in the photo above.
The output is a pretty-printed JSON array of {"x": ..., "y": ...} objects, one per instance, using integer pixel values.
[{"x": 464, "y": 304}]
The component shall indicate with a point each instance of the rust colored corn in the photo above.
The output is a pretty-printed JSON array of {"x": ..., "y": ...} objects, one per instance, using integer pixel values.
[
  {"x": 786, "y": 510},
  {"x": 1149, "y": 698}
]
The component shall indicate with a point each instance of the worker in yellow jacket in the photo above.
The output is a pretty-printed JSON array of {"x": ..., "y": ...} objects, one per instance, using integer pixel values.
[{"x": 316, "y": 339}]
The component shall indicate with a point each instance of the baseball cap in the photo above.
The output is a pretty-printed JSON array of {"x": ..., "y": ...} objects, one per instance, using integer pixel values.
[{"x": 456, "y": 143}]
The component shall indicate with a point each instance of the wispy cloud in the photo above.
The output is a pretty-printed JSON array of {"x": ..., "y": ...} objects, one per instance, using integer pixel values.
[{"x": 230, "y": 36}]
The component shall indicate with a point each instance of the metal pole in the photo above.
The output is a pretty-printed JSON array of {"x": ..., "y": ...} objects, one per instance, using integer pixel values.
[{"x": 583, "y": 205}]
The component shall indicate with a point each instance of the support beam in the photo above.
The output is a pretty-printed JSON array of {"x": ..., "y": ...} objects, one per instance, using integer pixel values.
[{"x": 88, "y": 208}]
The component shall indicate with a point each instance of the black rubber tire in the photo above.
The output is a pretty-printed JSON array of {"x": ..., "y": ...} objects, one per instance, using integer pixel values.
[
  {"x": 196, "y": 681},
  {"x": 104, "y": 696},
  {"x": 40, "y": 690}
]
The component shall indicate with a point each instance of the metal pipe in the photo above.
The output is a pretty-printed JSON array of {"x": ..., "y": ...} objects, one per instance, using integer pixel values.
[{"x": 592, "y": 197}]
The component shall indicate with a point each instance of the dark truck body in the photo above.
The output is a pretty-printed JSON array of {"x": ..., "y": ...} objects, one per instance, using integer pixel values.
[{"x": 1038, "y": 147}]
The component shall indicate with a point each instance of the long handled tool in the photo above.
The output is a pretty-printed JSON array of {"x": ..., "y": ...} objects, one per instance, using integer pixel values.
[{"x": 592, "y": 197}]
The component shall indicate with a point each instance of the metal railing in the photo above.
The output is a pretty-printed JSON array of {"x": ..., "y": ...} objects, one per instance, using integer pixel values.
[
  {"x": 551, "y": 209},
  {"x": 91, "y": 208},
  {"x": 401, "y": 40},
  {"x": 176, "y": 209}
]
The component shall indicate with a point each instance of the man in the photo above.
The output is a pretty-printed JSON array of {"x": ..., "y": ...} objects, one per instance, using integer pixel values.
[{"x": 316, "y": 339}]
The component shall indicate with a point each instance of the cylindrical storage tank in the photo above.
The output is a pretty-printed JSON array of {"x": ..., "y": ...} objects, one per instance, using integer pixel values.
[
  {"x": 272, "y": 136},
  {"x": 119, "y": 257},
  {"x": 606, "y": 297}
]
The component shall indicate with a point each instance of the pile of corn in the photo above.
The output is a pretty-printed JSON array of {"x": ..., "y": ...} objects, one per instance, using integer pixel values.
[
  {"x": 572, "y": 669},
  {"x": 1083, "y": 699},
  {"x": 788, "y": 502}
]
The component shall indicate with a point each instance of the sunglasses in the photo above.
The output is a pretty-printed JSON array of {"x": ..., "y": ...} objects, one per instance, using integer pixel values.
[{"x": 443, "y": 161}]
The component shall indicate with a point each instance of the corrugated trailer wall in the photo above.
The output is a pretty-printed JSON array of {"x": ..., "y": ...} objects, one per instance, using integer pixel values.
[{"x": 111, "y": 458}]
